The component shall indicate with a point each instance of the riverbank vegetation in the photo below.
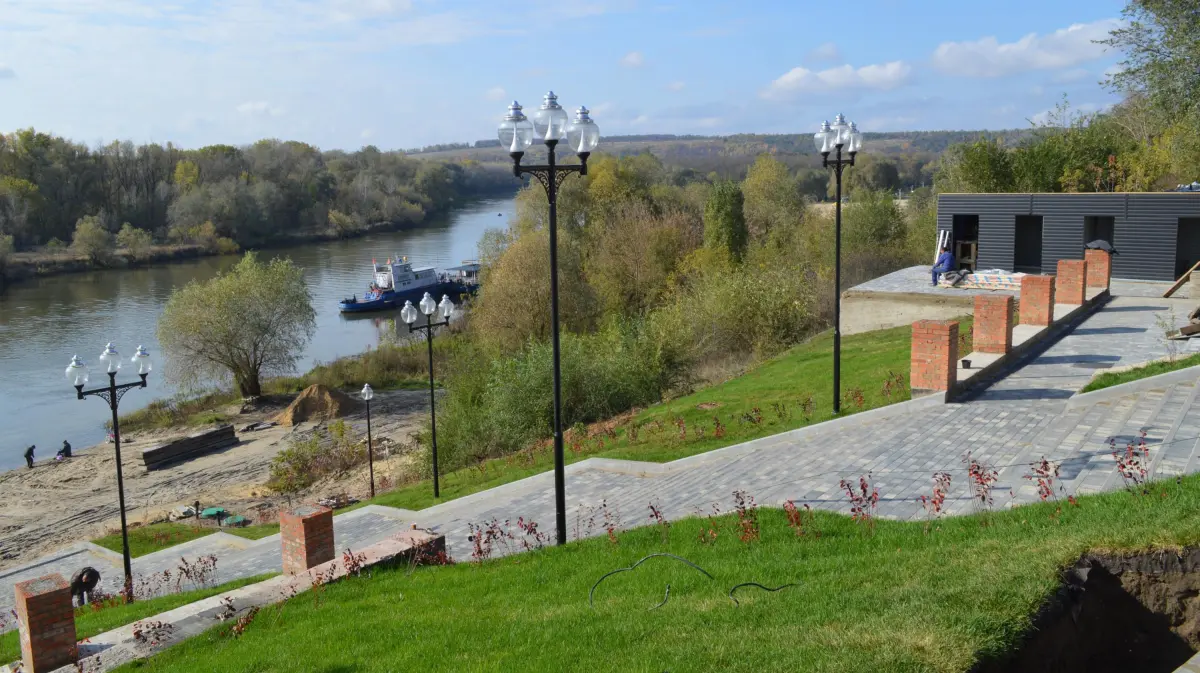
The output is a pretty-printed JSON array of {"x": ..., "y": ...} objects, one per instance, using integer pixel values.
[{"x": 843, "y": 594}]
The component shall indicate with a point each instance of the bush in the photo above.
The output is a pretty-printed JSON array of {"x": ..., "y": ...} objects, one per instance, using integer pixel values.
[
  {"x": 497, "y": 409},
  {"x": 55, "y": 244},
  {"x": 92, "y": 240},
  {"x": 136, "y": 241},
  {"x": 306, "y": 460}
]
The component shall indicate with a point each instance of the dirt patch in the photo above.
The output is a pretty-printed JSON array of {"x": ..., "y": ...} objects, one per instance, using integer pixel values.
[
  {"x": 1115, "y": 614},
  {"x": 705, "y": 406},
  {"x": 317, "y": 403}
]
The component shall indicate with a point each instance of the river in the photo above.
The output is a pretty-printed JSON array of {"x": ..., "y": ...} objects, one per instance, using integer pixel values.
[{"x": 44, "y": 322}]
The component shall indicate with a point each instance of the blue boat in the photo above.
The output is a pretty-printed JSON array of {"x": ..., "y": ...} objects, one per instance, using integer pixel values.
[{"x": 397, "y": 281}]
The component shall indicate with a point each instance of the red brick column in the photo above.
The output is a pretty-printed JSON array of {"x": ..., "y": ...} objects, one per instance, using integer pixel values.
[
  {"x": 47, "y": 624},
  {"x": 307, "y": 537},
  {"x": 1099, "y": 268},
  {"x": 1037, "y": 300},
  {"x": 993, "y": 323},
  {"x": 934, "y": 356},
  {"x": 1071, "y": 281}
]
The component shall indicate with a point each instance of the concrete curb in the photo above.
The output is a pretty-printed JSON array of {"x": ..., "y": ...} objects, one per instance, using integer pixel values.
[{"x": 1119, "y": 391}]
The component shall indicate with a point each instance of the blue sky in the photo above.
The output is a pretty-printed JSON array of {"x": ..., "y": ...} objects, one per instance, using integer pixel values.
[{"x": 405, "y": 73}]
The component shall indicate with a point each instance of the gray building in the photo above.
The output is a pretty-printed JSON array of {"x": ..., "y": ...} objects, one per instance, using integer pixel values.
[{"x": 1156, "y": 234}]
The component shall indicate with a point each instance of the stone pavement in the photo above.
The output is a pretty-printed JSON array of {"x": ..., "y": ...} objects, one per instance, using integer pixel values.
[{"x": 1014, "y": 422}]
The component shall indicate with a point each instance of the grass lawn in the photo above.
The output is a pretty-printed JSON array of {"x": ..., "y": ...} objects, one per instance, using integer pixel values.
[
  {"x": 789, "y": 391},
  {"x": 1109, "y": 379},
  {"x": 89, "y": 623},
  {"x": 149, "y": 539},
  {"x": 896, "y": 600}
]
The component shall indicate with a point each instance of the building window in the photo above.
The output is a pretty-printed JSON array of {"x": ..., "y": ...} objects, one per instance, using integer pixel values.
[{"x": 1099, "y": 228}]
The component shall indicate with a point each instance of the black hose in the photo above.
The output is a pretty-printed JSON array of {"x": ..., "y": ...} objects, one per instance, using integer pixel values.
[
  {"x": 756, "y": 584},
  {"x": 592, "y": 593}
]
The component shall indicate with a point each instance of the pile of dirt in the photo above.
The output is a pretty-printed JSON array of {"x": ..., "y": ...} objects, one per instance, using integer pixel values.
[{"x": 317, "y": 403}]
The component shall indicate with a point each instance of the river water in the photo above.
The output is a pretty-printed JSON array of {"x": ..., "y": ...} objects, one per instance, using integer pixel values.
[{"x": 44, "y": 322}]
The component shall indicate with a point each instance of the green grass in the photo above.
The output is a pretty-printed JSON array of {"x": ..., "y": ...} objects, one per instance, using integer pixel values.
[
  {"x": 255, "y": 532},
  {"x": 89, "y": 623},
  {"x": 1109, "y": 379},
  {"x": 149, "y": 539},
  {"x": 789, "y": 379},
  {"x": 899, "y": 600}
]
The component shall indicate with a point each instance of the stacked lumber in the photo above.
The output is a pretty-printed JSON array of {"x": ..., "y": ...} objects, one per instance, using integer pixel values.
[
  {"x": 189, "y": 447},
  {"x": 1189, "y": 330}
]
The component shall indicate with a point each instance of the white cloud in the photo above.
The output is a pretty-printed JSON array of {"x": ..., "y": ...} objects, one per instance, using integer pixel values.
[
  {"x": 6, "y": 72},
  {"x": 496, "y": 93},
  {"x": 1072, "y": 75},
  {"x": 353, "y": 10},
  {"x": 259, "y": 108},
  {"x": 633, "y": 59},
  {"x": 676, "y": 86},
  {"x": 826, "y": 52},
  {"x": 988, "y": 57},
  {"x": 878, "y": 77},
  {"x": 366, "y": 134}
]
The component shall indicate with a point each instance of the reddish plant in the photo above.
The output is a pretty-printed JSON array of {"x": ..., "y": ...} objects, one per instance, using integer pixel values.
[
  {"x": 354, "y": 563},
  {"x": 864, "y": 499},
  {"x": 855, "y": 398},
  {"x": 807, "y": 406},
  {"x": 631, "y": 432},
  {"x": 934, "y": 503},
  {"x": 1132, "y": 463},
  {"x": 718, "y": 428},
  {"x": 682, "y": 425},
  {"x": 747, "y": 516},
  {"x": 152, "y": 633},
  {"x": 1044, "y": 474},
  {"x": 532, "y": 538},
  {"x": 243, "y": 622},
  {"x": 782, "y": 413},
  {"x": 709, "y": 534},
  {"x": 483, "y": 538},
  {"x": 892, "y": 385},
  {"x": 800, "y": 519},
  {"x": 981, "y": 479},
  {"x": 664, "y": 526}
]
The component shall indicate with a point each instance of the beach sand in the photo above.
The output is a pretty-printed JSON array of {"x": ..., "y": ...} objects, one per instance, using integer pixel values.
[{"x": 56, "y": 505}]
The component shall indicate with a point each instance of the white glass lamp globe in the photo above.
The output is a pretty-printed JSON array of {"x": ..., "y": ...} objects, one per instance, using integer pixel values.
[
  {"x": 111, "y": 358},
  {"x": 515, "y": 131},
  {"x": 367, "y": 393},
  {"x": 841, "y": 130},
  {"x": 855, "y": 138},
  {"x": 141, "y": 358},
  {"x": 409, "y": 313},
  {"x": 821, "y": 138},
  {"x": 428, "y": 306},
  {"x": 550, "y": 120},
  {"x": 583, "y": 135},
  {"x": 446, "y": 306},
  {"x": 77, "y": 372}
]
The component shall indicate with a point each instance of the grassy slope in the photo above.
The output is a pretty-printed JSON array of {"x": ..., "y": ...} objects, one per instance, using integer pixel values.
[
  {"x": 1109, "y": 379},
  {"x": 149, "y": 539},
  {"x": 89, "y": 623},
  {"x": 788, "y": 379},
  {"x": 900, "y": 600}
]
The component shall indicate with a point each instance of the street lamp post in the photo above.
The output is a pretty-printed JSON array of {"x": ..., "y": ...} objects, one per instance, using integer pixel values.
[
  {"x": 77, "y": 374},
  {"x": 833, "y": 139},
  {"x": 368, "y": 395},
  {"x": 409, "y": 314},
  {"x": 550, "y": 123}
]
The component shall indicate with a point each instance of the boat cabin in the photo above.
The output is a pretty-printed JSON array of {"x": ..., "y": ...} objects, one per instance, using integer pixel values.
[
  {"x": 400, "y": 275},
  {"x": 467, "y": 273}
]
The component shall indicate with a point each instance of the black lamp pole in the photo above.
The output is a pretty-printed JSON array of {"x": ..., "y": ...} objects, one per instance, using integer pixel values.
[
  {"x": 428, "y": 329},
  {"x": 551, "y": 176},
  {"x": 113, "y": 394},
  {"x": 370, "y": 449},
  {"x": 838, "y": 164}
]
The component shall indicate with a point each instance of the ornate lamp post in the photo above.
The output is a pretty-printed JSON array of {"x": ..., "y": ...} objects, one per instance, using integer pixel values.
[
  {"x": 77, "y": 374},
  {"x": 368, "y": 395},
  {"x": 550, "y": 124},
  {"x": 832, "y": 139},
  {"x": 409, "y": 314}
]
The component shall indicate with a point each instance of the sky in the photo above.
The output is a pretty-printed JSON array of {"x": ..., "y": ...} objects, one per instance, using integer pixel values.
[{"x": 407, "y": 73}]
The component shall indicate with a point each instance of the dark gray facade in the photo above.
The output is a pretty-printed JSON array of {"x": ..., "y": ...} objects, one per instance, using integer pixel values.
[{"x": 1156, "y": 234}]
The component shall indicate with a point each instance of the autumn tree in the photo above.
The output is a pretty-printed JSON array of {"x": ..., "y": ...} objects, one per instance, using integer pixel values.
[
  {"x": 250, "y": 321},
  {"x": 137, "y": 241},
  {"x": 725, "y": 221},
  {"x": 772, "y": 197},
  {"x": 92, "y": 240}
]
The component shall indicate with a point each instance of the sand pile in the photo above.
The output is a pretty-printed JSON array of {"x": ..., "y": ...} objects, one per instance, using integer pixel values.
[{"x": 317, "y": 403}]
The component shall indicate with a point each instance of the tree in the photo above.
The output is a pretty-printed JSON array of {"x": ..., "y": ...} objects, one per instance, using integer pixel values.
[
  {"x": 1161, "y": 42},
  {"x": 983, "y": 166},
  {"x": 137, "y": 241},
  {"x": 632, "y": 257},
  {"x": 724, "y": 221},
  {"x": 251, "y": 321},
  {"x": 92, "y": 240},
  {"x": 342, "y": 223},
  {"x": 772, "y": 198}
]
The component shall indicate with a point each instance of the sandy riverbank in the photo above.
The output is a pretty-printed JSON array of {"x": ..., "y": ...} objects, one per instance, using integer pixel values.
[{"x": 56, "y": 505}]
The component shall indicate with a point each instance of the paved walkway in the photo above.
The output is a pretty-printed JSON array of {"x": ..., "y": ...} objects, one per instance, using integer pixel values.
[{"x": 1016, "y": 421}]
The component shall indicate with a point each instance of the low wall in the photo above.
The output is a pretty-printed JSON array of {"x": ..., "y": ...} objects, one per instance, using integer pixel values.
[{"x": 866, "y": 311}]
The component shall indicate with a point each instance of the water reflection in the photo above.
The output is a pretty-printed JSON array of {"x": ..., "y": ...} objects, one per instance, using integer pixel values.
[{"x": 44, "y": 322}]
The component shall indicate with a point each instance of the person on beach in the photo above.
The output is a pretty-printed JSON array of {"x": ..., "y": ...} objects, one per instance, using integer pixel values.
[
  {"x": 29, "y": 456},
  {"x": 65, "y": 451}
]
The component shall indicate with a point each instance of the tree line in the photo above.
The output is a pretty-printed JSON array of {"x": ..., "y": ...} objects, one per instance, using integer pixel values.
[{"x": 246, "y": 196}]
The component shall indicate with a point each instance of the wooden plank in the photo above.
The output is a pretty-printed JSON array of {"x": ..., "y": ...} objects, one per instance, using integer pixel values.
[{"x": 1182, "y": 279}]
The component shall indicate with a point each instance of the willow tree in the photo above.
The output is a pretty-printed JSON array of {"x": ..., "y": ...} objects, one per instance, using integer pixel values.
[{"x": 250, "y": 321}]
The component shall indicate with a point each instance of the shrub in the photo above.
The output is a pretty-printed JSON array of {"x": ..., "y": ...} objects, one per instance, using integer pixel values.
[
  {"x": 55, "y": 244},
  {"x": 306, "y": 460},
  {"x": 92, "y": 240},
  {"x": 136, "y": 241}
]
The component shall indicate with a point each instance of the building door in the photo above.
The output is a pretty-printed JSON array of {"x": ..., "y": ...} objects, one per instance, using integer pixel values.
[
  {"x": 1187, "y": 245},
  {"x": 1027, "y": 244},
  {"x": 1099, "y": 228},
  {"x": 966, "y": 241}
]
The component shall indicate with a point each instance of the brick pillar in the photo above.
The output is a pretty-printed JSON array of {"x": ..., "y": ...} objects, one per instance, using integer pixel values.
[
  {"x": 993, "y": 323},
  {"x": 1070, "y": 282},
  {"x": 1037, "y": 300},
  {"x": 934, "y": 357},
  {"x": 1099, "y": 268},
  {"x": 47, "y": 624},
  {"x": 307, "y": 537}
]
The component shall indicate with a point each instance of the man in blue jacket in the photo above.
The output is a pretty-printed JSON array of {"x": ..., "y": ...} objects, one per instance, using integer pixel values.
[{"x": 945, "y": 262}]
